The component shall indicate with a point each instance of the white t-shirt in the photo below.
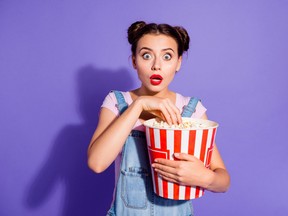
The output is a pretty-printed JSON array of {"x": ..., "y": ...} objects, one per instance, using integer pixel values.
[{"x": 110, "y": 102}]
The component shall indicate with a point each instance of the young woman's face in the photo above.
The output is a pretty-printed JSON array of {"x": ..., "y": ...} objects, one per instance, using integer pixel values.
[{"x": 156, "y": 61}]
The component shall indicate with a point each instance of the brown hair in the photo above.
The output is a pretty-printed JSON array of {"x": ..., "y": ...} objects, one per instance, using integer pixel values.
[{"x": 140, "y": 28}]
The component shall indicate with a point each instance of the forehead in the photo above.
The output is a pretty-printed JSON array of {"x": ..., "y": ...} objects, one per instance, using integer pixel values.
[{"x": 157, "y": 41}]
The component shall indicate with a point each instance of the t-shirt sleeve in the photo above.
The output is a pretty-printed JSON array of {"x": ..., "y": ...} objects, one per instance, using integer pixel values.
[
  {"x": 200, "y": 110},
  {"x": 110, "y": 102}
]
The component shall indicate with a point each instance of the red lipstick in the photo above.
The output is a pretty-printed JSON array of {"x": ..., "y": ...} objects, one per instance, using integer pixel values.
[{"x": 156, "y": 79}]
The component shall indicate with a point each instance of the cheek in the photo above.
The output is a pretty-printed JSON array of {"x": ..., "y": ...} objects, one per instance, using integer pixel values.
[
  {"x": 142, "y": 67},
  {"x": 171, "y": 76},
  {"x": 142, "y": 71},
  {"x": 172, "y": 72},
  {"x": 172, "y": 67}
]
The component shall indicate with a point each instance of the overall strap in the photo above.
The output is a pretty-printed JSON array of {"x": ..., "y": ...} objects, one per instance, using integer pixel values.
[
  {"x": 121, "y": 103},
  {"x": 189, "y": 109}
]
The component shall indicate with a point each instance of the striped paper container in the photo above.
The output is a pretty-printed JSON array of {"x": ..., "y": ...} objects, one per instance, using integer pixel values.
[{"x": 163, "y": 143}]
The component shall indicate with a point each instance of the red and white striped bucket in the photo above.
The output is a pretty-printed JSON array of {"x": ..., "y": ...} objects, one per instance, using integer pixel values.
[{"x": 163, "y": 143}]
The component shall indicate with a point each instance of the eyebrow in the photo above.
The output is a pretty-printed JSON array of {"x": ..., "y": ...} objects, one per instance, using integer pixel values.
[{"x": 166, "y": 49}]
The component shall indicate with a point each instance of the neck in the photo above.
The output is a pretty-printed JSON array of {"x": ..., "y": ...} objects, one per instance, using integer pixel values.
[{"x": 162, "y": 94}]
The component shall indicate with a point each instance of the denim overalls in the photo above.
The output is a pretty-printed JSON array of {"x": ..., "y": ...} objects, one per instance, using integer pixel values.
[{"x": 134, "y": 190}]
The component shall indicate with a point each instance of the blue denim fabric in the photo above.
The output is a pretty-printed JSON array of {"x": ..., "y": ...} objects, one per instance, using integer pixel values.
[
  {"x": 134, "y": 190},
  {"x": 190, "y": 108}
]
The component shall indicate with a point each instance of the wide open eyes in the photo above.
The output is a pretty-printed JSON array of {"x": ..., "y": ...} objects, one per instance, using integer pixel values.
[
  {"x": 147, "y": 56},
  {"x": 167, "y": 56}
]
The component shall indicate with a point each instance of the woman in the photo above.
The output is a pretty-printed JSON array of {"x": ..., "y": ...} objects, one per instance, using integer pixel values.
[{"x": 156, "y": 56}]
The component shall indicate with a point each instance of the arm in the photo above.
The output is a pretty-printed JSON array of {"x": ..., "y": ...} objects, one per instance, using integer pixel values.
[
  {"x": 191, "y": 171},
  {"x": 111, "y": 132},
  {"x": 110, "y": 135}
]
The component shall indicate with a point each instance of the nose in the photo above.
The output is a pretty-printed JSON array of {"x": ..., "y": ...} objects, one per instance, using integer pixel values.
[{"x": 156, "y": 65}]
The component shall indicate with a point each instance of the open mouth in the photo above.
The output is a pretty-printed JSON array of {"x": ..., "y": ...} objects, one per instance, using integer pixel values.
[{"x": 156, "y": 79}]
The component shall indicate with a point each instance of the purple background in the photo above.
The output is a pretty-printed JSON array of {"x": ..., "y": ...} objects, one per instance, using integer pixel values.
[{"x": 58, "y": 60}]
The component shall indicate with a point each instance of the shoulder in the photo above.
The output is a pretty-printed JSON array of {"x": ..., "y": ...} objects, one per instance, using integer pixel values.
[
  {"x": 184, "y": 100},
  {"x": 121, "y": 96},
  {"x": 181, "y": 100},
  {"x": 200, "y": 110},
  {"x": 110, "y": 102},
  {"x": 112, "y": 96}
]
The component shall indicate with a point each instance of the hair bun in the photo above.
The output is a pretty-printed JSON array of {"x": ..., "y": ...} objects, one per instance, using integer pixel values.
[
  {"x": 184, "y": 37},
  {"x": 133, "y": 29}
]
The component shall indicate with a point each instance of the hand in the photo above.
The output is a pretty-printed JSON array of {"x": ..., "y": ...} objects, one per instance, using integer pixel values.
[
  {"x": 188, "y": 170},
  {"x": 162, "y": 108}
]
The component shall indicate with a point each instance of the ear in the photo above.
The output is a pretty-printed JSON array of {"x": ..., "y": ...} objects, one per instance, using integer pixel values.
[
  {"x": 179, "y": 63},
  {"x": 134, "y": 62}
]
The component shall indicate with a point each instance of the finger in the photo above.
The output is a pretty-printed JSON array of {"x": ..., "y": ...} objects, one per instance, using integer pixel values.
[
  {"x": 184, "y": 156},
  {"x": 164, "y": 168},
  {"x": 165, "y": 162},
  {"x": 166, "y": 114},
  {"x": 174, "y": 113},
  {"x": 167, "y": 175},
  {"x": 176, "y": 180},
  {"x": 170, "y": 112},
  {"x": 158, "y": 114},
  {"x": 169, "y": 179},
  {"x": 167, "y": 109}
]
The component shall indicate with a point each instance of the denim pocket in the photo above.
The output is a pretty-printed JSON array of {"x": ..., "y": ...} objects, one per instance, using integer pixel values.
[{"x": 133, "y": 188}]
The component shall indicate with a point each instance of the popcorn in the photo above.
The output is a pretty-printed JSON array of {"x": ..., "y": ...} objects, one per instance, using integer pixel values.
[{"x": 186, "y": 124}]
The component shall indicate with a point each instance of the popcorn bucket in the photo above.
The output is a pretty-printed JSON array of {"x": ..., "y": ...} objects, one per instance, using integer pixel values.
[{"x": 164, "y": 140}]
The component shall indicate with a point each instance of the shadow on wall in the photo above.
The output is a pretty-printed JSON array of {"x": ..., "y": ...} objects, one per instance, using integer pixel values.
[{"x": 86, "y": 193}]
